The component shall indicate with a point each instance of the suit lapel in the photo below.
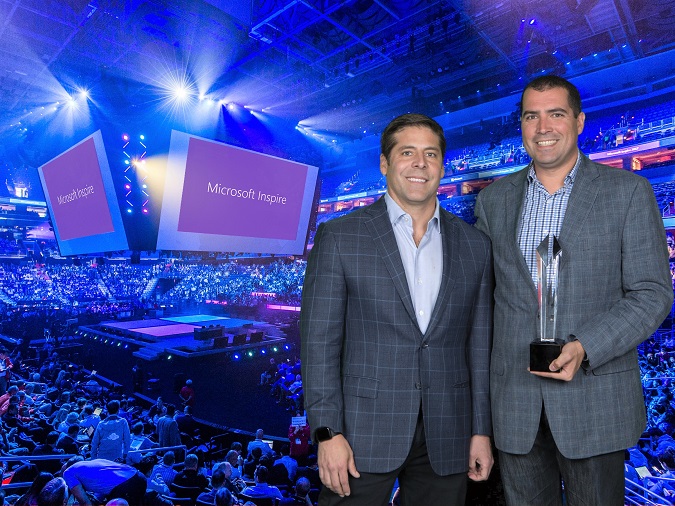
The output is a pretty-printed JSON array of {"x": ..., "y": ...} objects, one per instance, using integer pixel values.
[
  {"x": 450, "y": 241},
  {"x": 513, "y": 209},
  {"x": 584, "y": 193},
  {"x": 382, "y": 233}
]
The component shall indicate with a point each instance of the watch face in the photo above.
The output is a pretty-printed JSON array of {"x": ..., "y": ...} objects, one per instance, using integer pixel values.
[{"x": 323, "y": 434}]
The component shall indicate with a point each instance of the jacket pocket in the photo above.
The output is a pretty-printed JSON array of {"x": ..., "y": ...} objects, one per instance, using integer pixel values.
[
  {"x": 616, "y": 366},
  {"x": 359, "y": 386},
  {"x": 497, "y": 366}
]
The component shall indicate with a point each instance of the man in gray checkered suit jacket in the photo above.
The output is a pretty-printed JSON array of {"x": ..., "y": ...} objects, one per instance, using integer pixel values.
[
  {"x": 396, "y": 335},
  {"x": 613, "y": 291}
]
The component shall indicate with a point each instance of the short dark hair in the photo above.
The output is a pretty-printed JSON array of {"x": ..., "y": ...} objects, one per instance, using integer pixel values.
[
  {"x": 217, "y": 478},
  {"x": 146, "y": 464},
  {"x": 387, "y": 141},
  {"x": 543, "y": 83},
  {"x": 261, "y": 473},
  {"x": 52, "y": 437},
  {"x": 223, "y": 497},
  {"x": 113, "y": 407}
]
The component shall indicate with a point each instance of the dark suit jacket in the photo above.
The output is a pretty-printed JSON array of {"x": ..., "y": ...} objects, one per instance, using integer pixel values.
[
  {"x": 614, "y": 290},
  {"x": 367, "y": 367}
]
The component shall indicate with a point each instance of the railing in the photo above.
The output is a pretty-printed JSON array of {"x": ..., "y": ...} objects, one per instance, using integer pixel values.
[
  {"x": 639, "y": 495},
  {"x": 37, "y": 458},
  {"x": 30, "y": 458}
]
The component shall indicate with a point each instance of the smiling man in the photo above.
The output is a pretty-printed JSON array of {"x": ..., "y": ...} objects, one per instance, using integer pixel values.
[
  {"x": 396, "y": 331},
  {"x": 612, "y": 290}
]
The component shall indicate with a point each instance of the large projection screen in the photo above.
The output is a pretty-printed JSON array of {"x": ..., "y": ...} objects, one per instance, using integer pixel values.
[
  {"x": 219, "y": 197},
  {"x": 81, "y": 199}
]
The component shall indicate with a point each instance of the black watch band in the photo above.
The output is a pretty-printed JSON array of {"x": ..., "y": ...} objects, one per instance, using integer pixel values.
[{"x": 324, "y": 434}]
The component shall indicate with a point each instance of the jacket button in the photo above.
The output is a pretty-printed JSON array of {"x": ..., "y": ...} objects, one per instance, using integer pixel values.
[
  {"x": 418, "y": 386},
  {"x": 425, "y": 345}
]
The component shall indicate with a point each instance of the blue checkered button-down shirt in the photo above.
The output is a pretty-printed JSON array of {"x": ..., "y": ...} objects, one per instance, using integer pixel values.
[{"x": 543, "y": 215}]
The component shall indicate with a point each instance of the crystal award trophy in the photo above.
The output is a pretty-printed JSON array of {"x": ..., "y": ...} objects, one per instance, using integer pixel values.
[{"x": 547, "y": 348}]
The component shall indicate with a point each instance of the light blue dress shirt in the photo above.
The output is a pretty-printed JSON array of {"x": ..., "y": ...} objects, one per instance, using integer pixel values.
[{"x": 423, "y": 264}]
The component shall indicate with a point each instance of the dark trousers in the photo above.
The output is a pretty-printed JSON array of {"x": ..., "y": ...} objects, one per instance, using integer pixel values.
[
  {"x": 132, "y": 489},
  {"x": 538, "y": 477},
  {"x": 418, "y": 483}
]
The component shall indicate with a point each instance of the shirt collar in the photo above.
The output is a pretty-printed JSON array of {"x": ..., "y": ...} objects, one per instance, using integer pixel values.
[
  {"x": 569, "y": 178},
  {"x": 396, "y": 213}
]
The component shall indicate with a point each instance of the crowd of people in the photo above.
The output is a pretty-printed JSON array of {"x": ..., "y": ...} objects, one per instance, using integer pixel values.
[
  {"x": 238, "y": 284},
  {"x": 107, "y": 448},
  {"x": 96, "y": 286}
]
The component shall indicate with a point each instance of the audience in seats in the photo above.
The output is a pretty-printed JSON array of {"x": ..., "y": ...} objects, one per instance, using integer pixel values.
[
  {"x": 165, "y": 468},
  {"x": 259, "y": 443},
  {"x": 138, "y": 443},
  {"x": 190, "y": 476},
  {"x": 68, "y": 442},
  {"x": 55, "y": 492},
  {"x": 289, "y": 462},
  {"x": 301, "y": 495},
  {"x": 234, "y": 485},
  {"x": 261, "y": 489},
  {"x": 185, "y": 421},
  {"x": 252, "y": 462},
  {"x": 236, "y": 462},
  {"x": 217, "y": 482},
  {"x": 61, "y": 398},
  {"x": 224, "y": 498},
  {"x": 155, "y": 483}
]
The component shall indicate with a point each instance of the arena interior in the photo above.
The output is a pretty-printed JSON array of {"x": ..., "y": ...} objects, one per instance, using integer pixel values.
[{"x": 302, "y": 80}]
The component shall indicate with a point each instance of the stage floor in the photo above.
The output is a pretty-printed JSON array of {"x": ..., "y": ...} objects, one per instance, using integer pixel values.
[{"x": 177, "y": 335}]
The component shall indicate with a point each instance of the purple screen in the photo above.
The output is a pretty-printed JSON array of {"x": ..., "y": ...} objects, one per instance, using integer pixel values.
[
  {"x": 76, "y": 193},
  {"x": 229, "y": 191}
]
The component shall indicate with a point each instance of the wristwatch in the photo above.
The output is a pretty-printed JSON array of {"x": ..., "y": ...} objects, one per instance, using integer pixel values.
[{"x": 324, "y": 434}]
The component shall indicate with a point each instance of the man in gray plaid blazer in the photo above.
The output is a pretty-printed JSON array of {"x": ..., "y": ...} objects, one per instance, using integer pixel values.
[
  {"x": 396, "y": 330},
  {"x": 613, "y": 291}
]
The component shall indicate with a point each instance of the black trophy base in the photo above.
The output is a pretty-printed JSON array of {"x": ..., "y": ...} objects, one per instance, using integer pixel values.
[{"x": 542, "y": 353}]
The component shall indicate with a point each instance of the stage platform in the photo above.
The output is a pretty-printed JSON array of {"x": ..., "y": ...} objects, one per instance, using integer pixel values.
[{"x": 188, "y": 335}]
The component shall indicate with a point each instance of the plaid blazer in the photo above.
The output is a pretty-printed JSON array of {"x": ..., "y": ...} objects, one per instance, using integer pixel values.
[
  {"x": 614, "y": 290},
  {"x": 367, "y": 368}
]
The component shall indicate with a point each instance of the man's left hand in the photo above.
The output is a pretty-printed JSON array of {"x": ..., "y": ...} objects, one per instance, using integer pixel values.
[
  {"x": 568, "y": 362},
  {"x": 480, "y": 458}
]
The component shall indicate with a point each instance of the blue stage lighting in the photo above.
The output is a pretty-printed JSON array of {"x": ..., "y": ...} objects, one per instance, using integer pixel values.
[{"x": 180, "y": 92}]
